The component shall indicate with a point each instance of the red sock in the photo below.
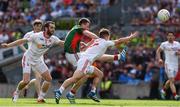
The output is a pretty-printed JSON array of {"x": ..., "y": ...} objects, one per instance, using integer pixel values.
[
  {"x": 115, "y": 57},
  {"x": 174, "y": 94},
  {"x": 72, "y": 91}
]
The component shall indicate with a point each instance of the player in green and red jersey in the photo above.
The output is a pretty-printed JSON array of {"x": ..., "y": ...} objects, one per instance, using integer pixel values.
[{"x": 72, "y": 50}]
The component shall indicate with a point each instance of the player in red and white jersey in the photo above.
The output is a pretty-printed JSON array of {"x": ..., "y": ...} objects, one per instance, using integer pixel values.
[
  {"x": 37, "y": 27},
  {"x": 171, "y": 49},
  {"x": 40, "y": 43},
  {"x": 84, "y": 64}
]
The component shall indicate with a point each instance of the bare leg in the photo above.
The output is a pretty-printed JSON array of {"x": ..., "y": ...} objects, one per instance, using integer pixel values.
[
  {"x": 21, "y": 85},
  {"x": 45, "y": 86},
  {"x": 172, "y": 86}
]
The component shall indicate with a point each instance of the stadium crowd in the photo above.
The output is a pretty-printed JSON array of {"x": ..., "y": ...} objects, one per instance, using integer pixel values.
[{"x": 141, "y": 63}]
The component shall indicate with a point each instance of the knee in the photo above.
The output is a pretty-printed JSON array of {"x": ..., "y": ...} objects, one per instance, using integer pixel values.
[
  {"x": 171, "y": 80},
  {"x": 48, "y": 78},
  {"x": 74, "y": 79}
]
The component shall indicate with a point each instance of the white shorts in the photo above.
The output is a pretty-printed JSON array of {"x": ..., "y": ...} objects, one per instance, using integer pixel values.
[
  {"x": 85, "y": 66},
  {"x": 28, "y": 64},
  {"x": 171, "y": 70},
  {"x": 73, "y": 58}
]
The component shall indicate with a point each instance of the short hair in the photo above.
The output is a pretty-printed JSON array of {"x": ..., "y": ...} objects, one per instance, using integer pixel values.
[
  {"x": 48, "y": 23},
  {"x": 103, "y": 32},
  {"x": 83, "y": 21},
  {"x": 37, "y": 21},
  {"x": 170, "y": 33}
]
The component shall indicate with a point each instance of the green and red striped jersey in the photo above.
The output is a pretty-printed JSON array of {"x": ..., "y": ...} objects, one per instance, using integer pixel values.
[{"x": 73, "y": 39}]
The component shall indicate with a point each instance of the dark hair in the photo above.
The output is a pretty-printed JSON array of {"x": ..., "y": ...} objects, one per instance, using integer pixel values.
[
  {"x": 103, "y": 32},
  {"x": 170, "y": 33},
  {"x": 48, "y": 23},
  {"x": 83, "y": 21},
  {"x": 37, "y": 21}
]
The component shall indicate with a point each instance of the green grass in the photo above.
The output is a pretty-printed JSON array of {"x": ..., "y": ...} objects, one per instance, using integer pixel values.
[{"x": 26, "y": 102}]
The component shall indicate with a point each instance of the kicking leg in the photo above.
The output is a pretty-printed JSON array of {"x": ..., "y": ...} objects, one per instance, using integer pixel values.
[{"x": 110, "y": 58}]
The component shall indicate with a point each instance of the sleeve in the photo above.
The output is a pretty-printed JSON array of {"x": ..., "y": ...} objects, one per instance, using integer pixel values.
[
  {"x": 56, "y": 40},
  {"x": 31, "y": 38},
  {"x": 162, "y": 46},
  {"x": 110, "y": 43}
]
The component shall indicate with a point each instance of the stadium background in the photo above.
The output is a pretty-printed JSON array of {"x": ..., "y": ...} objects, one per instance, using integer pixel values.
[{"x": 140, "y": 77}]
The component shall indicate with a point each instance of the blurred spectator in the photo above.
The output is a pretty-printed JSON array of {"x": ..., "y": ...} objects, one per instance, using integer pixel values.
[{"x": 4, "y": 37}]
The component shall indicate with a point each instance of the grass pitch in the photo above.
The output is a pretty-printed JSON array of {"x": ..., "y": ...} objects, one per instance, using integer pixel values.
[{"x": 27, "y": 102}]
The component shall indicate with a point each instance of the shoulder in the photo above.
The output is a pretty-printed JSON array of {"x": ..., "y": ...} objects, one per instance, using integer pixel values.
[
  {"x": 28, "y": 34},
  {"x": 176, "y": 42},
  {"x": 77, "y": 27},
  {"x": 31, "y": 32}
]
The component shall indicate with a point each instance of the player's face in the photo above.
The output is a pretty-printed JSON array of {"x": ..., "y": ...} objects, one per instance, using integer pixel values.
[
  {"x": 37, "y": 27},
  {"x": 86, "y": 26},
  {"x": 170, "y": 37},
  {"x": 51, "y": 29}
]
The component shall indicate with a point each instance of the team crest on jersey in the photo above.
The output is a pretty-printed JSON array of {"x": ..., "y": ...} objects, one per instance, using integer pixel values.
[
  {"x": 41, "y": 39},
  {"x": 43, "y": 46}
]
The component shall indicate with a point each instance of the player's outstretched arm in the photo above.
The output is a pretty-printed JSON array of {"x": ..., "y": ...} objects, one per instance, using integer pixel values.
[
  {"x": 15, "y": 43},
  {"x": 158, "y": 55},
  {"x": 90, "y": 34},
  {"x": 126, "y": 39}
]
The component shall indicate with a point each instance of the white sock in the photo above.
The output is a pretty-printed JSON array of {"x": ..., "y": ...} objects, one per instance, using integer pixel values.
[
  {"x": 93, "y": 90},
  {"x": 41, "y": 95},
  {"x": 61, "y": 89},
  {"x": 119, "y": 56}
]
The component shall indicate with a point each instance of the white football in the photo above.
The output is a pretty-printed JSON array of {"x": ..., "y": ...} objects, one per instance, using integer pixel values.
[{"x": 163, "y": 15}]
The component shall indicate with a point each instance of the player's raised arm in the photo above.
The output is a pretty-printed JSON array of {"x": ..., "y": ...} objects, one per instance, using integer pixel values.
[
  {"x": 90, "y": 34},
  {"x": 126, "y": 39},
  {"x": 15, "y": 43},
  {"x": 158, "y": 55}
]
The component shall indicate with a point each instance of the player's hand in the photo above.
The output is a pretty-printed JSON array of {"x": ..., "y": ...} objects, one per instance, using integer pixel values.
[
  {"x": 160, "y": 61},
  {"x": 133, "y": 35},
  {"x": 4, "y": 45}
]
